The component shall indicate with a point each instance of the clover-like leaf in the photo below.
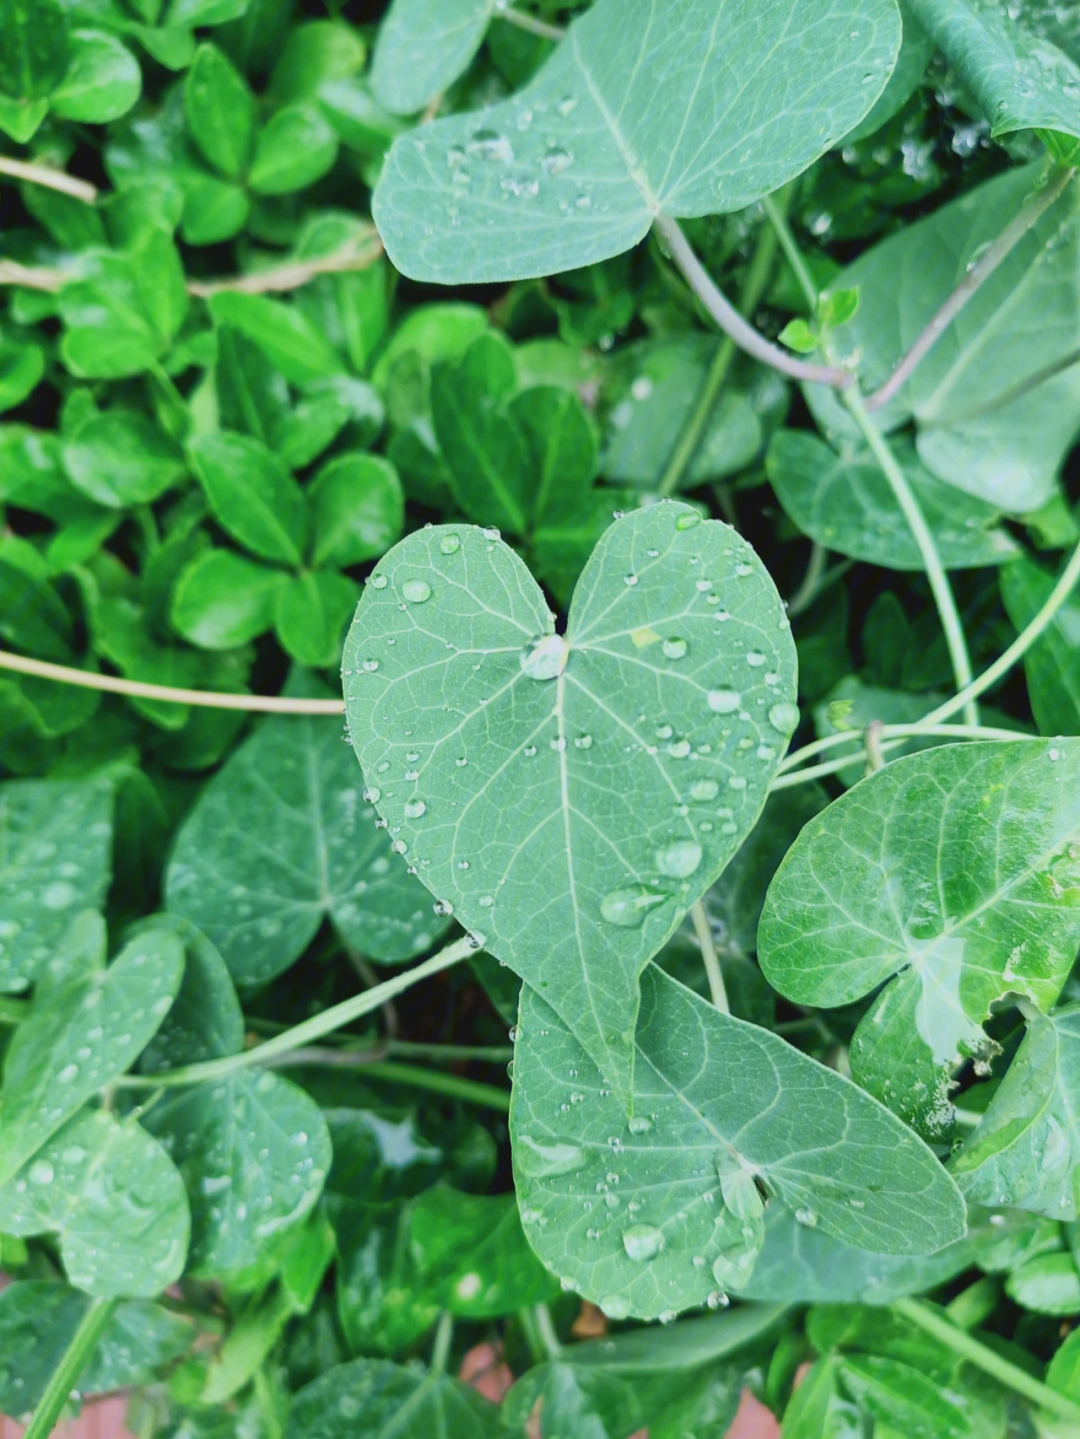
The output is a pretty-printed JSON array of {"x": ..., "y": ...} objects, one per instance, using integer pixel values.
[
  {"x": 281, "y": 839},
  {"x": 569, "y": 796},
  {"x": 649, "y": 1216},
  {"x": 55, "y": 854},
  {"x": 953, "y": 874},
  {"x": 115, "y": 1199},
  {"x": 379, "y": 1400},
  {"x": 1026, "y": 1150},
  {"x": 694, "y": 109}
]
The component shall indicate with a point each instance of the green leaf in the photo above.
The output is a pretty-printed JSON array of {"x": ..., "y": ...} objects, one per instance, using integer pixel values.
[
  {"x": 279, "y": 840},
  {"x": 124, "y": 313},
  {"x": 314, "y": 52},
  {"x": 253, "y": 1151},
  {"x": 800, "y": 336},
  {"x": 423, "y": 46},
  {"x": 952, "y": 875},
  {"x": 632, "y": 115},
  {"x": 379, "y": 1400},
  {"x": 55, "y": 859},
  {"x": 494, "y": 743},
  {"x": 1049, "y": 1284},
  {"x": 120, "y": 458},
  {"x": 572, "y": 1399},
  {"x": 214, "y": 210},
  {"x": 563, "y": 450},
  {"x": 485, "y": 451},
  {"x": 21, "y": 371},
  {"x": 899, "y": 1395},
  {"x": 205, "y": 1021},
  {"x": 1064, "y": 1371},
  {"x": 1053, "y": 682},
  {"x": 32, "y": 615},
  {"x": 102, "y": 81},
  {"x": 281, "y": 331},
  {"x": 252, "y": 494},
  {"x": 622, "y": 1210},
  {"x": 383, "y": 1302},
  {"x": 38, "y": 1319},
  {"x": 993, "y": 400},
  {"x": 471, "y": 1250},
  {"x": 88, "y": 1024},
  {"x": 33, "y": 47},
  {"x": 916, "y": 52},
  {"x": 845, "y": 503},
  {"x": 114, "y": 1198},
  {"x": 1026, "y": 1150},
  {"x": 296, "y": 147},
  {"x": 311, "y": 613},
  {"x": 819, "y": 1410},
  {"x": 1020, "y": 80},
  {"x": 561, "y": 545},
  {"x": 327, "y": 408},
  {"x": 359, "y": 509},
  {"x": 222, "y": 599},
  {"x": 220, "y": 111}
]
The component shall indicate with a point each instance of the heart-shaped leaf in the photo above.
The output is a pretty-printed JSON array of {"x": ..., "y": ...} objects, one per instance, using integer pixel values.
[
  {"x": 692, "y": 108},
  {"x": 958, "y": 872},
  {"x": 114, "y": 1197},
  {"x": 570, "y": 796},
  {"x": 661, "y": 1212}
]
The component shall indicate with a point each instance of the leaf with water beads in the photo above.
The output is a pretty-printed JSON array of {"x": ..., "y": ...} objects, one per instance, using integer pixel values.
[
  {"x": 379, "y": 1400},
  {"x": 692, "y": 108},
  {"x": 646, "y": 1217},
  {"x": 114, "y": 1198},
  {"x": 955, "y": 876},
  {"x": 570, "y": 796}
]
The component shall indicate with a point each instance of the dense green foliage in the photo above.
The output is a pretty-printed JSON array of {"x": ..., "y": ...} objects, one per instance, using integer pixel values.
[{"x": 622, "y": 685}]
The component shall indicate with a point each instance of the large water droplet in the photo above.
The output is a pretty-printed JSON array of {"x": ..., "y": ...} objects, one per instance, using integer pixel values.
[
  {"x": 490, "y": 145},
  {"x": 41, "y": 1172},
  {"x": 628, "y": 907},
  {"x": 806, "y": 1216},
  {"x": 704, "y": 790},
  {"x": 688, "y": 521},
  {"x": 679, "y": 859},
  {"x": 639, "y": 1124},
  {"x": 674, "y": 649},
  {"x": 723, "y": 702},
  {"x": 449, "y": 544},
  {"x": 615, "y": 1306},
  {"x": 414, "y": 808},
  {"x": 784, "y": 717},
  {"x": 416, "y": 591},
  {"x": 642, "y": 1241},
  {"x": 379, "y": 582},
  {"x": 540, "y": 1160},
  {"x": 545, "y": 658},
  {"x": 555, "y": 160}
]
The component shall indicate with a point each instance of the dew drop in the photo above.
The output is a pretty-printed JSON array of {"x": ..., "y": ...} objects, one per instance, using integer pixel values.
[
  {"x": 688, "y": 521},
  {"x": 628, "y": 907},
  {"x": 723, "y": 702},
  {"x": 41, "y": 1172},
  {"x": 806, "y": 1216},
  {"x": 583, "y": 741},
  {"x": 545, "y": 658},
  {"x": 755, "y": 659},
  {"x": 784, "y": 717},
  {"x": 640, "y": 1124},
  {"x": 642, "y": 1241},
  {"x": 679, "y": 749},
  {"x": 416, "y": 591},
  {"x": 555, "y": 160},
  {"x": 679, "y": 859},
  {"x": 704, "y": 790},
  {"x": 449, "y": 544},
  {"x": 414, "y": 808},
  {"x": 675, "y": 649},
  {"x": 615, "y": 1306},
  {"x": 378, "y": 582}
]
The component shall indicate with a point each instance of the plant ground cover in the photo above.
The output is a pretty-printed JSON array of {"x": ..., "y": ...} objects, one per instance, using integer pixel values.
[{"x": 540, "y": 717}]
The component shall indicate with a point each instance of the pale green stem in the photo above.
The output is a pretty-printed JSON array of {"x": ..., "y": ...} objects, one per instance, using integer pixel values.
[
  {"x": 444, "y": 1337},
  {"x": 66, "y": 1374},
  {"x": 311, "y": 1029},
  {"x": 986, "y": 1359},
  {"x": 546, "y": 1329},
  {"x": 893, "y": 472},
  {"x": 528, "y": 22},
  {"x": 455, "y": 1086},
  {"x": 711, "y": 959},
  {"x": 807, "y": 592},
  {"x": 892, "y": 737},
  {"x": 875, "y": 760},
  {"x": 754, "y": 287}
]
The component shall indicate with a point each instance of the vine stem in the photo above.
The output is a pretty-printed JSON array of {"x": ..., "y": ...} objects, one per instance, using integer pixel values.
[
  {"x": 49, "y": 178},
  {"x": 310, "y": 1030},
  {"x": 807, "y": 592},
  {"x": 296, "y": 273},
  {"x": 986, "y": 1359},
  {"x": 207, "y": 699},
  {"x": 750, "y": 296},
  {"x": 731, "y": 322},
  {"x": 1036, "y": 206},
  {"x": 893, "y": 472},
  {"x": 528, "y": 22},
  {"x": 892, "y": 737},
  {"x": 444, "y": 1337},
  {"x": 455, "y": 1086},
  {"x": 711, "y": 959},
  {"x": 546, "y": 1328},
  {"x": 65, "y": 1376}
]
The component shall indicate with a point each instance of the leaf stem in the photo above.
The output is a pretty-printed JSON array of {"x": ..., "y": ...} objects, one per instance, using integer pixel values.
[
  {"x": 363, "y": 251},
  {"x": 503, "y": 11},
  {"x": 891, "y": 737},
  {"x": 986, "y": 1359},
  {"x": 731, "y": 322},
  {"x": 456, "y": 1086},
  {"x": 546, "y": 1327},
  {"x": 49, "y": 178},
  {"x": 310, "y": 1030},
  {"x": 754, "y": 286},
  {"x": 893, "y": 472},
  {"x": 65, "y": 1376},
  {"x": 807, "y": 592},
  {"x": 1037, "y": 204},
  {"x": 207, "y": 699},
  {"x": 444, "y": 1337},
  {"x": 711, "y": 959}
]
